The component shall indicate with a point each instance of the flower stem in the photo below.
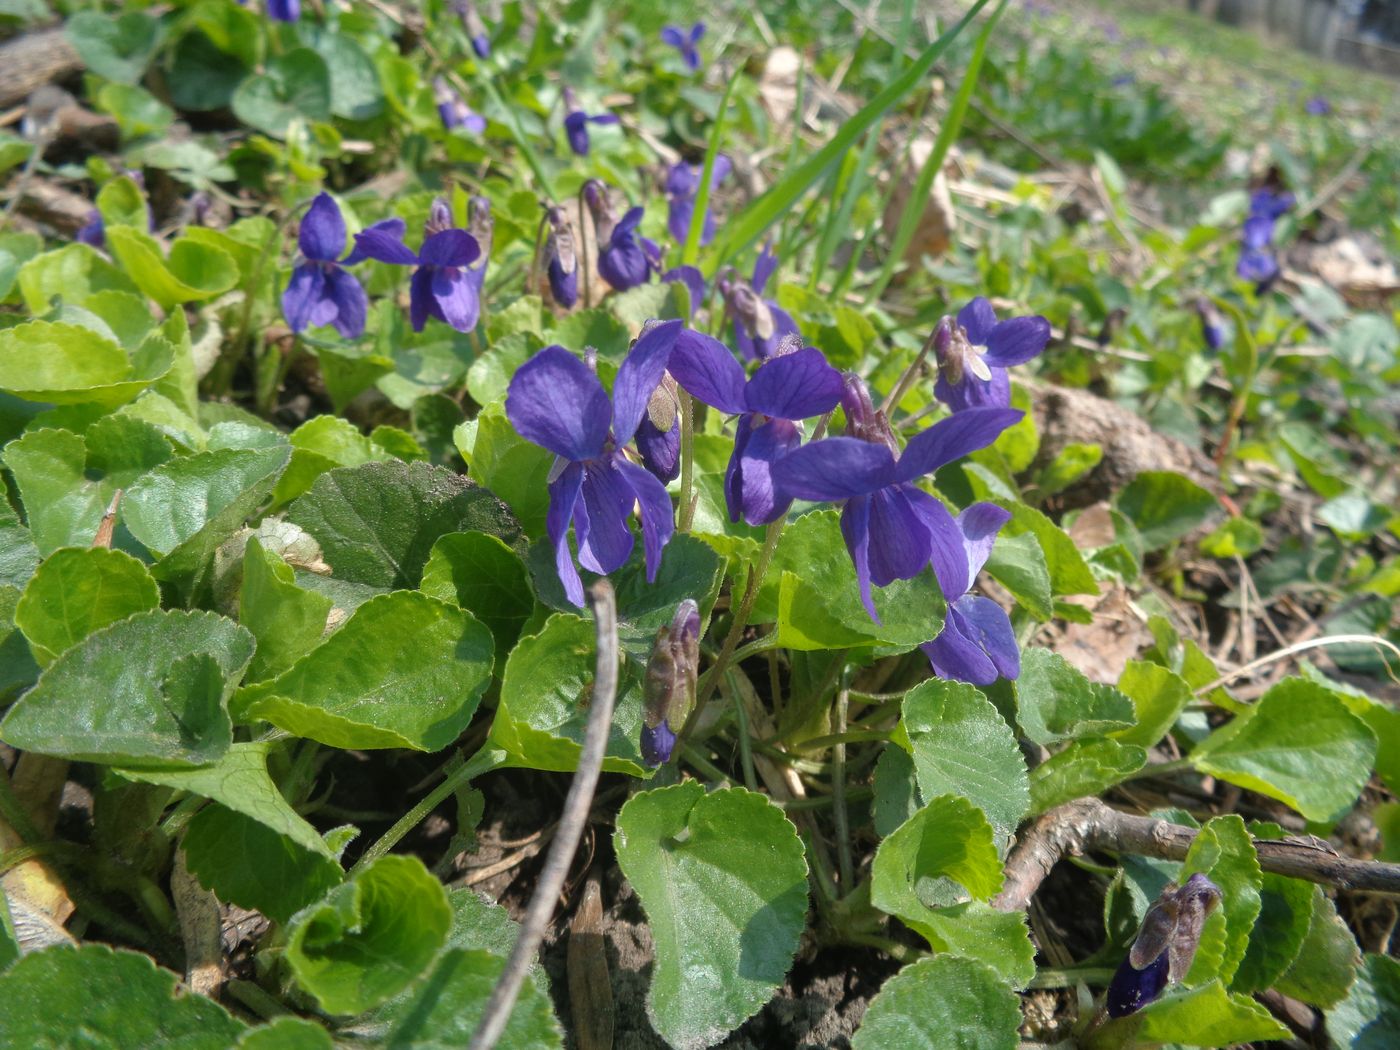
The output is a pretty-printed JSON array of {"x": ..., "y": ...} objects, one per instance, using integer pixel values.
[
  {"x": 485, "y": 760},
  {"x": 687, "y": 461},
  {"x": 838, "y": 794}
]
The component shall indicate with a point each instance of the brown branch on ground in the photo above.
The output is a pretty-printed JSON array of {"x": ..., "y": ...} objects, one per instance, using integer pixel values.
[{"x": 1087, "y": 825}]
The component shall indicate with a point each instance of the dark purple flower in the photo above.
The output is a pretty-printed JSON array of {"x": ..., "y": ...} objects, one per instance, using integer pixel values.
[
  {"x": 1317, "y": 106},
  {"x": 694, "y": 282},
  {"x": 975, "y": 352},
  {"x": 976, "y": 644},
  {"x": 658, "y": 437},
  {"x": 1270, "y": 204},
  {"x": 1257, "y": 262},
  {"x": 668, "y": 690},
  {"x": 284, "y": 10},
  {"x": 623, "y": 260},
  {"x": 442, "y": 285},
  {"x": 682, "y": 185},
  {"x": 560, "y": 257},
  {"x": 556, "y": 401},
  {"x": 892, "y": 529},
  {"x": 684, "y": 41},
  {"x": 1214, "y": 328},
  {"x": 476, "y": 29},
  {"x": 1165, "y": 945},
  {"x": 321, "y": 291},
  {"x": 576, "y": 123},
  {"x": 787, "y": 387},
  {"x": 93, "y": 232},
  {"x": 455, "y": 113},
  {"x": 760, "y": 325}
]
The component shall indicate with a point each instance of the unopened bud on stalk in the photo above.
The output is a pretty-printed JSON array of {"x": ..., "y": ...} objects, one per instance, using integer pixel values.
[
  {"x": 863, "y": 419},
  {"x": 669, "y": 687},
  {"x": 1165, "y": 946}
]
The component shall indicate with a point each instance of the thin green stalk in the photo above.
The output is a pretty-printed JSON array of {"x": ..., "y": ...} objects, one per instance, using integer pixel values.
[
  {"x": 902, "y": 953},
  {"x": 485, "y": 760},
  {"x": 694, "y": 756},
  {"x": 852, "y": 736},
  {"x": 522, "y": 141},
  {"x": 687, "y": 460},
  {"x": 745, "y": 751},
  {"x": 797, "y": 805},
  {"x": 843, "y": 206},
  {"x": 691, "y": 250},
  {"x": 838, "y": 796},
  {"x": 1053, "y": 978},
  {"x": 767, "y": 643},
  {"x": 1162, "y": 769},
  {"x": 948, "y": 131},
  {"x": 741, "y": 615}
]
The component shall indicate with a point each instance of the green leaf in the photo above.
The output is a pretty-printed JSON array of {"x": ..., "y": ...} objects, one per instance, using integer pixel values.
[
  {"x": 545, "y": 693},
  {"x": 897, "y": 796},
  {"x": 925, "y": 1003},
  {"x": 319, "y": 445},
  {"x": 66, "y": 484},
  {"x": 287, "y": 621},
  {"x": 1086, "y": 767},
  {"x": 962, "y": 746},
  {"x": 405, "y": 670},
  {"x": 442, "y": 1011},
  {"x": 287, "y": 1033},
  {"x": 121, "y": 203},
  {"x": 202, "y": 75},
  {"x": 148, "y": 690},
  {"x": 1299, "y": 744},
  {"x": 1018, "y": 564},
  {"x": 240, "y": 781},
  {"x": 1224, "y": 851},
  {"x": 1158, "y": 695},
  {"x": 1233, "y": 537},
  {"x": 194, "y": 271},
  {"x": 1327, "y": 962},
  {"x": 116, "y": 48},
  {"x": 811, "y": 592},
  {"x": 377, "y": 523},
  {"x": 1070, "y": 464},
  {"x": 1207, "y": 1016},
  {"x": 93, "y": 996},
  {"x": 136, "y": 110},
  {"x": 926, "y": 869},
  {"x": 1165, "y": 506},
  {"x": 244, "y": 862},
  {"x": 724, "y": 883},
  {"x": 77, "y": 591},
  {"x": 355, "y": 93},
  {"x": 293, "y": 86},
  {"x": 17, "y": 666},
  {"x": 1069, "y": 573},
  {"x": 508, "y": 465},
  {"x": 1369, "y": 1017},
  {"x": 183, "y": 510},
  {"x": 71, "y": 274},
  {"x": 370, "y": 937},
  {"x": 67, "y": 364},
  {"x": 484, "y": 576},
  {"x": 1285, "y": 916},
  {"x": 749, "y": 226},
  {"x": 1056, "y": 702}
]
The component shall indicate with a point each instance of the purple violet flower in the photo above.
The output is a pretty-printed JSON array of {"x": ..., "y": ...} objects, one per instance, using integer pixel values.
[
  {"x": 576, "y": 123},
  {"x": 684, "y": 41},
  {"x": 622, "y": 258},
  {"x": 321, "y": 291},
  {"x": 556, "y": 401},
  {"x": 658, "y": 437},
  {"x": 760, "y": 324},
  {"x": 1165, "y": 945},
  {"x": 442, "y": 285},
  {"x": 1257, "y": 263},
  {"x": 668, "y": 689},
  {"x": 93, "y": 232},
  {"x": 476, "y": 29},
  {"x": 455, "y": 113},
  {"x": 975, "y": 352},
  {"x": 561, "y": 257},
  {"x": 792, "y": 385},
  {"x": 682, "y": 185},
  {"x": 284, "y": 10},
  {"x": 1317, "y": 106},
  {"x": 1214, "y": 328},
  {"x": 893, "y": 530},
  {"x": 976, "y": 644}
]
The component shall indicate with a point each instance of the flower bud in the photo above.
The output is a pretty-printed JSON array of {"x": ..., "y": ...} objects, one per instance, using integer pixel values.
[
  {"x": 561, "y": 261},
  {"x": 439, "y": 217},
  {"x": 1165, "y": 946},
  {"x": 863, "y": 419},
  {"x": 668, "y": 691}
]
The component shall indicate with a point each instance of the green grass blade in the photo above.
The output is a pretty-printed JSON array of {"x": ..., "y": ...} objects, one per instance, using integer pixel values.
[
  {"x": 691, "y": 251},
  {"x": 947, "y": 135},
  {"x": 749, "y": 226}
]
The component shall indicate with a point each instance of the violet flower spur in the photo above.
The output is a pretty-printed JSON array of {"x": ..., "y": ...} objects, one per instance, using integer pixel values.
[
  {"x": 792, "y": 385},
  {"x": 455, "y": 113},
  {"x": 977, "y": 643},
  {"x": 622, "y": 258},
  {"x": 684, "y": 41},
  {"x": 975, "y": 351},
  {"x": 576, "y": 123},
  {"x": 441, "y": 286},
  {"x": 760, "y": 324},
  {"x": 682, "y": 186},
  {"x": 892, "y": 529},
  {"x": 476, "y": 29},
  {"x": 321, "y": 291},
  {"x": 557, "y": 402}
]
